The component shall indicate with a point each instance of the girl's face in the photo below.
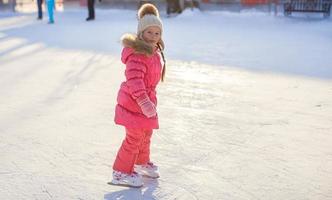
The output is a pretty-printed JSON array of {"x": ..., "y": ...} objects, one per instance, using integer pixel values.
[{"x": 152, "y": 35}]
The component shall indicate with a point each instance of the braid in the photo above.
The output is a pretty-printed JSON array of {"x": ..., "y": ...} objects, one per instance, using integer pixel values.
[{"x": 164, "y": 66}]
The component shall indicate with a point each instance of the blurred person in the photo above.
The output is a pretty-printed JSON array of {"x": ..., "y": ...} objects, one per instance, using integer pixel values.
[
  {"x": 174, "y": 6},
  {"x": 137, "y": 101},
  {"x": 91, "y": 10},
  {"x": 50, "y": 9},
  {"x": 40, "y": 9}
]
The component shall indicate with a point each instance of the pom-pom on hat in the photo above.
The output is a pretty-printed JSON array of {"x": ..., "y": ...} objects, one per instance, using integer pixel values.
[{"x": 148, "y": 15}]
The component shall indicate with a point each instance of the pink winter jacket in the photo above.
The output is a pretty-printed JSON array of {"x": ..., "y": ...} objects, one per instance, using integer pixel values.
[{"x": 143, "y": 73}]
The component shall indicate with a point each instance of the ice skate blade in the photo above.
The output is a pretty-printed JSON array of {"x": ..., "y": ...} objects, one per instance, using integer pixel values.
[{"x": 125, "y": 185}]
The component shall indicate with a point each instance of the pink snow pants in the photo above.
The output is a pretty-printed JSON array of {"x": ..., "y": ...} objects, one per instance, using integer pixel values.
[{"x": 135, "y": 149}]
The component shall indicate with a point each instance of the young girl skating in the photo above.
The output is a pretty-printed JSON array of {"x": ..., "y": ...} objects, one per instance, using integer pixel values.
[{"x": 137, "y": 101}]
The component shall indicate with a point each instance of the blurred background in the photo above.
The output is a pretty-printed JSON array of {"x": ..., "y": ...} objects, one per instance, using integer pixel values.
[{"x": 168, "y": 6}]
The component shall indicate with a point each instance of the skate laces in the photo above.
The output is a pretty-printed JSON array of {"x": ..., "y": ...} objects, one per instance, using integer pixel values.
[
  {"x": 150, "y": 165},
  {"x": 134, "y": 174},
  {"x": 119, "y": 175}
]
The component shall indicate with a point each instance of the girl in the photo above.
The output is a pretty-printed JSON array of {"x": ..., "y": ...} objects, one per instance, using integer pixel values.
[{"x": 136, "y": 108}]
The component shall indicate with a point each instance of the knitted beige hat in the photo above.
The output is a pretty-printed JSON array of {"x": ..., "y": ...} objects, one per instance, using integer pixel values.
[{"x": 148, "y": 15}]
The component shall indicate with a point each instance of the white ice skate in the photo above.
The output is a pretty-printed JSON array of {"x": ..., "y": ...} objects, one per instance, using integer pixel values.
[
  {"x": 150, "y": 170},
  {"x": 128, "y": 180}
]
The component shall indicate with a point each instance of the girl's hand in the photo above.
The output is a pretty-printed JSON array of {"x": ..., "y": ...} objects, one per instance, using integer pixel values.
[{"x": 148, "y": 108}]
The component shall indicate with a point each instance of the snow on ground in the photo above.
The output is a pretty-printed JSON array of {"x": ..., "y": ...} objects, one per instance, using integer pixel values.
[{"x": 245, "y": 112}]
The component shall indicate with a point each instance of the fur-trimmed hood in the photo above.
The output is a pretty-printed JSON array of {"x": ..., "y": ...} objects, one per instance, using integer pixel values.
[{"x": 138, "y": 45}]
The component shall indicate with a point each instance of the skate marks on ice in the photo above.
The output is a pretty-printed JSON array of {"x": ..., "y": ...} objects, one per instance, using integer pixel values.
[{"x": 153, "y": 189}]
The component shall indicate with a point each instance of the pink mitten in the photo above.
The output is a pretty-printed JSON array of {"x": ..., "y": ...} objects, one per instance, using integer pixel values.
[{"x": 148, "y": 108}]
